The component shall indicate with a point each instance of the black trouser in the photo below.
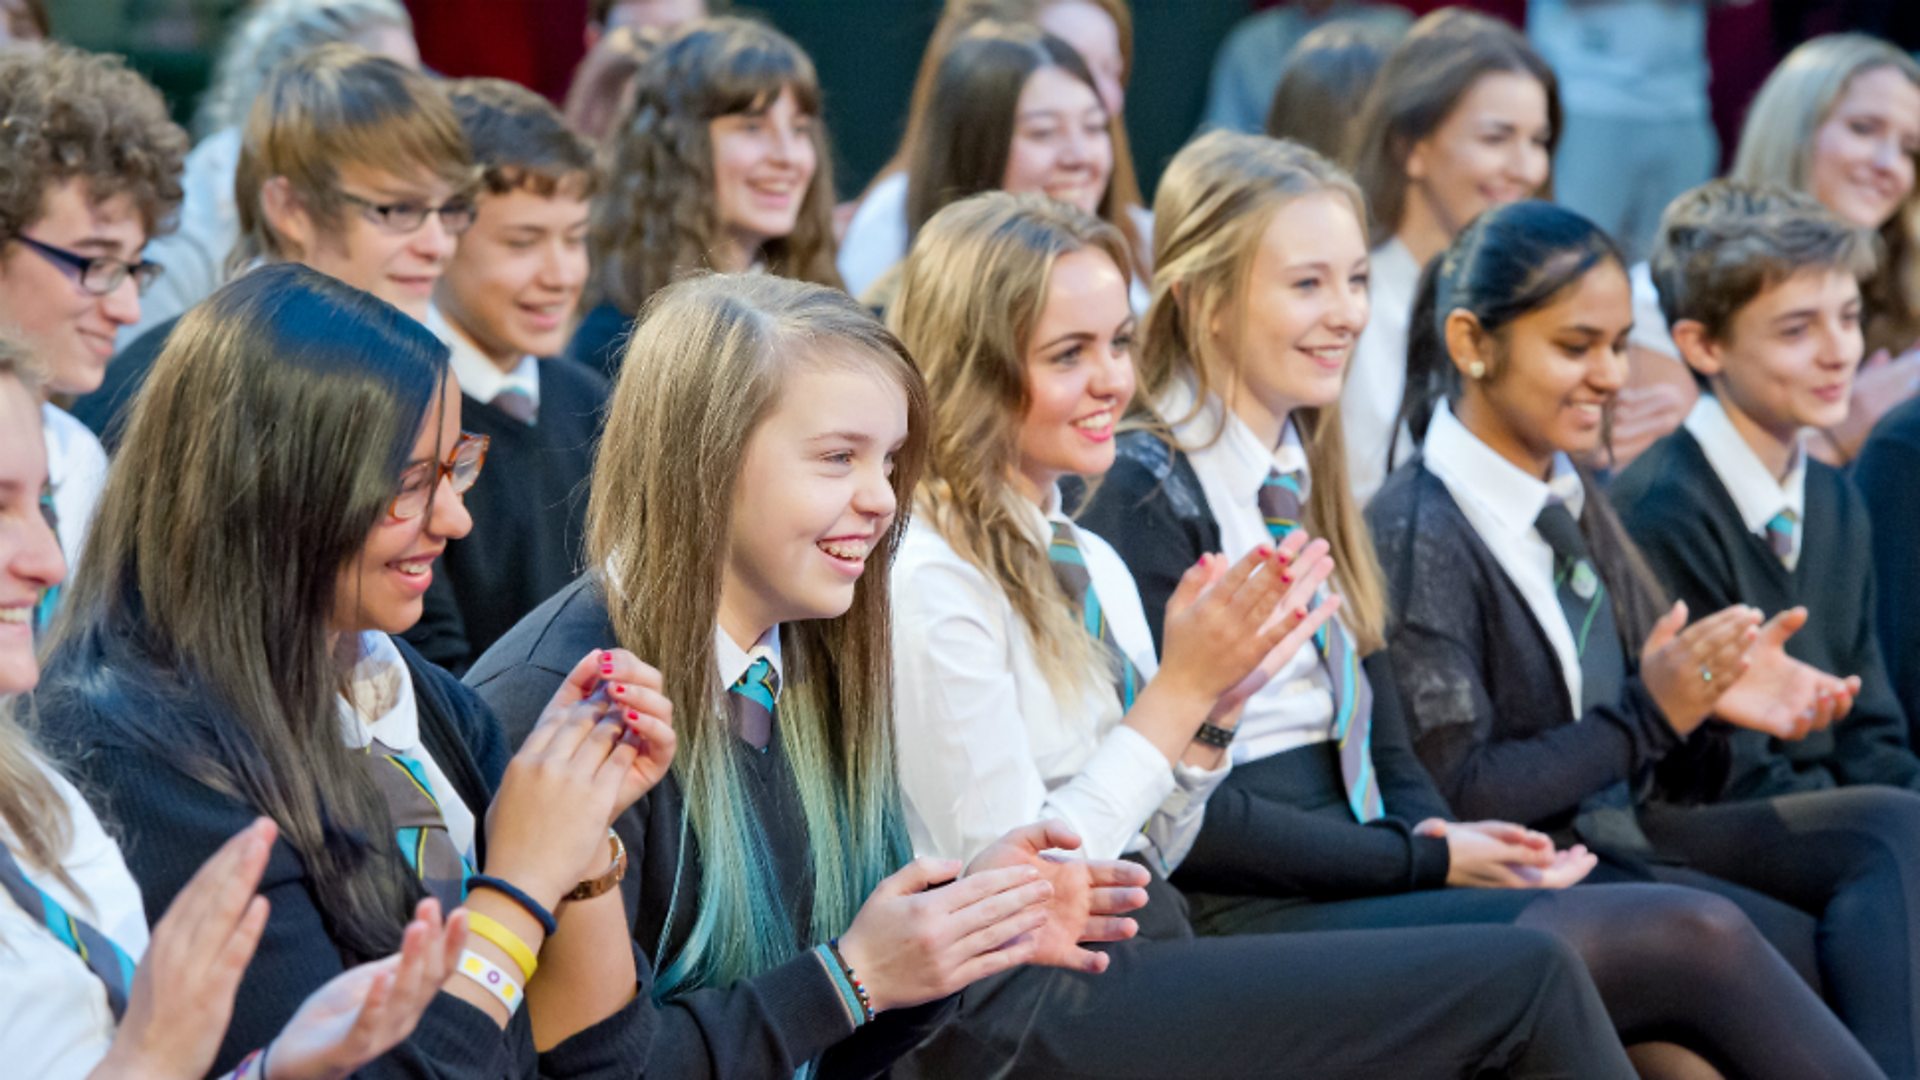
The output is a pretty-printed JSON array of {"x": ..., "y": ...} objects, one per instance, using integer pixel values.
[
  {"x": 1454, "y": 1001},
  {"x": 1850, "y": 860},
  {"x": 1674, "y": 964}
]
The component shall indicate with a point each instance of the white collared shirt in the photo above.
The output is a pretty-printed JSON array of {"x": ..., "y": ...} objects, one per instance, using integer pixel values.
[
  {"x": 1370, "y": 400},
  {"x": 985, "y": 743},
  {"x": 1756, "y": 493},
  {"x": 480, "y": 378},
  {"x": 379, "y": 705},
  {"x": 734, "y": 661},
  {"x": 1295, "y": 708},
  {"x": 58, "y": 1024},
  {"x": 77, "y": 473},
  {"x": 1501, "y": 502}
]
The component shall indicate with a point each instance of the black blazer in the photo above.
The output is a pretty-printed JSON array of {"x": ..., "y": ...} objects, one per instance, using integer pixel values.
[
  {"x": 769, "y": 1025},
  {"x": 1884, "y": 473},
  {"x": 170, "y": 823},
  {"x": 1256, "y": 838},
  {"x": 1485, "y": 699},
  {"x": 1686, "y": 523}
]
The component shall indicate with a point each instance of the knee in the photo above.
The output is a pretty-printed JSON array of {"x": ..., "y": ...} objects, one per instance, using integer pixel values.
[
  {"x": 1708, "y": 930},
  {"x": 1540, "y": 955}
]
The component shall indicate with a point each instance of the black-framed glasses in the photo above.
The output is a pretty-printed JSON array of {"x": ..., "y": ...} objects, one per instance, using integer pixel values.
[
  {"x": 462, "y": 467},
  {"x": 97, "y": 274},
  {"x": 398, "y": 219}
]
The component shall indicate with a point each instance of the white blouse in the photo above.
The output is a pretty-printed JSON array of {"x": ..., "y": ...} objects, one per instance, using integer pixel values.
[
  {"x": 379, "y": 704},
  {"x": 54, "y": 1019},
  {"x": 1370, "y": 401},
  {"x": 77, "y": 473},
  {"x": 985, "y": 743}
]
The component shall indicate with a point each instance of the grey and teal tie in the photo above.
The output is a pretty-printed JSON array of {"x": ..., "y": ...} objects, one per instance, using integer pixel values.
[
  {"x": 1606, "y": 819},
  {"x": 1070, "y": 569},
  {"x": 420, "y": 827},
  {"x": 106, "y": 960},
  {"x": 752, "y": 700},
  {"x": 49, "y": 599},
  {"x": 1779, "y": 532},
  {"x": 1281, "y": 506},
  {"x": 517, "y": 403}
]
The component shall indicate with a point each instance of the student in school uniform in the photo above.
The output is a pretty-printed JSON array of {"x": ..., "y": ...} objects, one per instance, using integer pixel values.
[
  {"x": 1031, "y": 687},
  {"x": 86, "y": 187},
  {"x": 85, "y": 989},
  {"x": 761, "y": 437},
  {"x": 504, "y": 305},
  {"x": 351, "y": 164},
  {"x": 1546, "y": 681},
  {"x": 292, "y": 470},
  {"x": 1327, "y": 820},
  {"x": 721, "y": 163}
]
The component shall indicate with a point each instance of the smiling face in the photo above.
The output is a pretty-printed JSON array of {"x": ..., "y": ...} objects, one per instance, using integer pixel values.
[
  {"x": 763, "y": 164},
  {"x": 814, "y": 495},
  {"x": 30, "y": 561},
  {"x": 1489, "y": 151},
  {"x": 1787, "y": 358},
  {"x": 1079, "y": 373},
  {"x": 514, "y": 282},
  {"x": 1864, "y": 151},
  {"x": 1552, "y": 372},
  {"x": 1090, "y": 30},
  {"x": 1061, "y": 143},
  {"x": 1292, "y": 334},
  {"x": 382, "y": 587},
  {"x": 400, "y": 268},
  {"x": 71, "y": 330}
]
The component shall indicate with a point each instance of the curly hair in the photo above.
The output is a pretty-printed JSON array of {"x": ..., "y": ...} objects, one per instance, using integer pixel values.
[
  {"x": 657, "y": 220},
  {"x": 75, "y": 115}
]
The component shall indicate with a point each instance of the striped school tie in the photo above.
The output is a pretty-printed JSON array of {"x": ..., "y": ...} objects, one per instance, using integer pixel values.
[
  {"x": 105, "y": 959},
  {"x": 1070, "y": 569},
  {"x": 50, "y": 598},
  {"x": 751, "y": 701},
  {"x": 1280, "y": 505},
  {"x": 419, "y": 826},
  {"x": 1779, "y": 534},
  {"x": 517, "y": 403}
]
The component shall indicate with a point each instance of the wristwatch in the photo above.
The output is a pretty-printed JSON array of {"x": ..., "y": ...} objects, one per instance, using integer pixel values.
[
  {"x": 1214, "y": 735},
  {"x": 587, "y": 890}
]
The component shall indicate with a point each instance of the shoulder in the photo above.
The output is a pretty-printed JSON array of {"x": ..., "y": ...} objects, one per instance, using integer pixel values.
[
  {"x": 564, "y": 378},
  {"x": 71, "y": 445},
  {"x": 1411, "y": 492},
  {"x": 925, "y": 555},
  {"x": 1899, "y": 428},
  {"x": 599, "y": 331},
  {"x": 1834, "y": 495},
  {"x": 1667, "y": 487},
  {"x": 518, "y": 674},
  {"x": 932, "y": 582}
]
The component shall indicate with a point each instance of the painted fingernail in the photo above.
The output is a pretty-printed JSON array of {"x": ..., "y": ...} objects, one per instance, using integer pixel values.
[
  {"x": 606, "y": 658},
  {"x": 1264, "y": 551},
  {"x": 632, "y": 717},
  {"x": 1282, "y": 557},
  {"x": 1299, "y": 613},
  {"x": 1288, "y": 578},
  {"x": 618, "y": 689}
]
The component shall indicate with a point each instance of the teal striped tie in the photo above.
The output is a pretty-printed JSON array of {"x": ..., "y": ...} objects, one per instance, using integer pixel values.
[
  {"x": 751, "y": 699},
  {"x": 107, "y": 961},
  {"x": 1070, "y": 569},
  {"x": 1282, "y": 508},
  {"x": 1780, "y": 534},
  {"x": 419, "y": 826}
]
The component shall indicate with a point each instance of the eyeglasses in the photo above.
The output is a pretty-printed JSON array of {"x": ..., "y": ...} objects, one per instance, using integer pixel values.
[
  {"x": 417, "y": 484},
  {"x": 97, "y": 274},
  {"x": 401, "y": 218}
]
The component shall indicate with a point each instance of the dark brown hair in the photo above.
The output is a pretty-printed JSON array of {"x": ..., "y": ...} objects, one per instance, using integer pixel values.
[
  {"x": 1326, "y": 72},
  {"x": 519, "y": 140}
]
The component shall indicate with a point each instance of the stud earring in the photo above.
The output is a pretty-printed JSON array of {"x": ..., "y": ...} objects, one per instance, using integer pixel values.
[{"x": 1477, "y": 370}]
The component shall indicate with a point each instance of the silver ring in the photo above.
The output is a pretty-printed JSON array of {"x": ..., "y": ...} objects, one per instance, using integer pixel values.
[{"x": 1706, "y": 674}]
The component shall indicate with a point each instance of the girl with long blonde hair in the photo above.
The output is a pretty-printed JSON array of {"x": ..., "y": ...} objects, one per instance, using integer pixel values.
[
  {"x": 1327, "y": 820},
  {"x": 1031, "y": 687},
  {"x": 760, "y": 447}
]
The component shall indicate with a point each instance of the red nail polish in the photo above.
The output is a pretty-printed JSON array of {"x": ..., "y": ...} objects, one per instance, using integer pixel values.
[
  {"x": 1300, "y": 613},
  {"x": 633, "y": 717},
  {"x": 1282, "y": 556},
  {"x": 618, "y": 689},
  {"x": 606, "y": 658},
  {"x": 1288, "y": 578},
  {"x": 1264, "y": 551}
]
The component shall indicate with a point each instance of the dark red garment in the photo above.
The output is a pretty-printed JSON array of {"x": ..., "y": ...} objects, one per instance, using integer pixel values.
[{"x": 535, "y": 43}]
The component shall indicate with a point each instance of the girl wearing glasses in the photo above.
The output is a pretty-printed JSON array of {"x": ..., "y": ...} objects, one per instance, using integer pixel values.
[{"x": 227, "y": 655}]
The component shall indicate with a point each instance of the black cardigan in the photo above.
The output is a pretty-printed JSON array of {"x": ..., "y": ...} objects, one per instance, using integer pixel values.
[
  {"x": 1485, "y": 699},
  {"x": 169, "y": 824},
  {"x": 1254, "y": 840},
  {"x": 1686, "y": 523},
  {"x": 768, "y": 1025},
  {"x": 105, "y": 410},
  {"x": 1886, "y": 473}
]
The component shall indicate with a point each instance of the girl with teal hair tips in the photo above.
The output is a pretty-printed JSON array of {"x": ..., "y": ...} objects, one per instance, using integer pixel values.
[{"x": 749, "y": 495}]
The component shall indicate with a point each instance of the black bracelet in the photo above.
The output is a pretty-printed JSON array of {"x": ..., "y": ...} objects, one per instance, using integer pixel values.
[
  {"x": 1214, "y": 735},
  {"x": 512, "y": 892}
]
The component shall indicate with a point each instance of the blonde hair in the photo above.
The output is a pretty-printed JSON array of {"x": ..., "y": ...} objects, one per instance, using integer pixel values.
[
  {"x": 971, "y": 293},
  {"x": 1777, "y": 147},
  {"x": 335, "y": 107},
  {"x": 1215, "y": 202},
  {"x": 705, "y": 367}
]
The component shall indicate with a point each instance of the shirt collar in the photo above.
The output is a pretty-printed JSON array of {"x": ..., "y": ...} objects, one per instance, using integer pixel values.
[
  {"x": 1756, "y": 494},
  {"x": 379, "y": 700},
  {"x": 480, "y": 378},
  {"x": 1506, "y": 493},
  {"x": 734, "y": 661},
  {"x": 1217, "y": 441}
]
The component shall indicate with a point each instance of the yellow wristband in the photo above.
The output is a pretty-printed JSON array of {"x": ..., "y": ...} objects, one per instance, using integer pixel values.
[{"x": 509, "y": 942}]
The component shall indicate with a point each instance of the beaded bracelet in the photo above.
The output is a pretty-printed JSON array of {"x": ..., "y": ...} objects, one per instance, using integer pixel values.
[
  {"x": 492, "y": 978},
  {"x": 512, "y": 892},
  {"x": 849, "y": 997},
  {"x": 859, "y": 989},
  {"x": 495, "y": 933}
]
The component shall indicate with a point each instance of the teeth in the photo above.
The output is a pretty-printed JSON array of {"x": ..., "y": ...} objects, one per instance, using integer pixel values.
[
  {"x": 18, "y": 615},
  {"x": 852, "y": 550},
  {"x": 1096, "y": 422},
  {"x": 415, "y": 567}
]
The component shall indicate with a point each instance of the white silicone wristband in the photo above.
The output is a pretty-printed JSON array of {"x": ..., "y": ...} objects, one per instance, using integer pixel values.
[{"x": 492, "y": 978}]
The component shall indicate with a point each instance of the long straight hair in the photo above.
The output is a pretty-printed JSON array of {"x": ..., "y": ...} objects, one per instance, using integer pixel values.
[
  {"x": 1777, "y": 147},
  {"x": 706, "y": 366},
  {"x": 266, "y": 446},
  {"x": 1513, "y": 260},
  {"x": 971, "y": 294},
  {"x": 658, "y": 219},
  {"x": 1214, "y": 205}
]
